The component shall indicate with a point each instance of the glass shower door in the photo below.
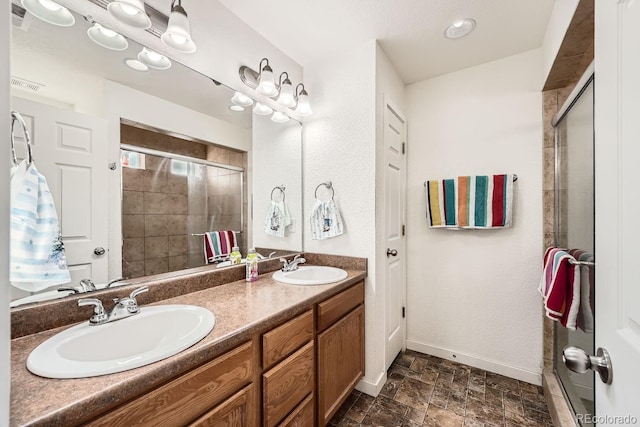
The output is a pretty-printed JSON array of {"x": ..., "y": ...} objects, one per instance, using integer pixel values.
[{"x": 575, "y": 229}]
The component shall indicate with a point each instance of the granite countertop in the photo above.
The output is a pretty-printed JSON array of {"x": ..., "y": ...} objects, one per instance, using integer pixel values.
[{"x": 241, "y": 309}]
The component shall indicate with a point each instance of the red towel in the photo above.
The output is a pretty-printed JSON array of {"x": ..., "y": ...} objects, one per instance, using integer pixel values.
[
  {"x": 560, "y": 287},
  {"x": 218, "y": 245}
]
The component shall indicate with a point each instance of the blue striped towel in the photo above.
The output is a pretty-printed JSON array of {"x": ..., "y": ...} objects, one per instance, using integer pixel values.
[{"x": 37, "y": 258}]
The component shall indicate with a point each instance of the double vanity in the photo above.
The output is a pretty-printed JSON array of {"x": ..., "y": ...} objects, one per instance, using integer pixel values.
[{"x": 280, "y": 354}]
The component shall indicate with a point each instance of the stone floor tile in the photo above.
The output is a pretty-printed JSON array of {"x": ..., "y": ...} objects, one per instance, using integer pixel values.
[
  {"x": 438, "y": 417},
  {"x": 414, "y": 394}
]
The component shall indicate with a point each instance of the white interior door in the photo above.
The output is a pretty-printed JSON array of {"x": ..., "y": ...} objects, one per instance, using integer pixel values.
[
  {"x": 394, "y": 195},
  {"x": 617, "y": 183},
  {"x": 70, "y": 150}
]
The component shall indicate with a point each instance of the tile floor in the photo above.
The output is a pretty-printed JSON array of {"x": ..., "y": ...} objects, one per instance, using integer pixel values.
[{"x": 423, "y": 390}]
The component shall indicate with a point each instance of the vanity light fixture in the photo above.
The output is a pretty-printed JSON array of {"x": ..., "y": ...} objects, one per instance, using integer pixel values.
[
  {"x": 303, "y": 108},
  {"x": 286, "y": 97},
  {"x": 178, "y": 33},
  {"x": 49, "y": 12},
  {"x": 262, "y": 110},
  {"x": 130, "y": 12},
  {"x": 241, "y": 99},
  {"x": 460, "y": 28},
  {"x": 264, "y": 84},
  {"x": 279, "y": 117},
  {"x": 135, "y": 65},
  {"x": 107, "y": 38},
  {"x": 154, "y": 59}
]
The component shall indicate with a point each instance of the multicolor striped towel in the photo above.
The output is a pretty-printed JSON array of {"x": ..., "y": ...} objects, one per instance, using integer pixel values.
[
  {"x": 218, "y": 245},
  {"x": 470, "y": 202}
]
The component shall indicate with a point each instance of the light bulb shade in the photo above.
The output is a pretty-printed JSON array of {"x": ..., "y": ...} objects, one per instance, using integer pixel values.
[
  {"x": 279, "y": 117},
  {"x": 135, "y": 65},
  {"x": 303, "y": 108},
  {"x": 266, "y": 82},
  {"x": 241, "y": 99},
  {"x": 153, "y": 59},
  {"x": 49, "y": 12},
  {"x": 237, "y": 108},
  {"x": 107, "y": 38},
  {"x": 130, "y": 12},
  {"x": 262, "y": 110},
  {"x": 286, "y": 97},
  {"x": 178, "y": 33}
]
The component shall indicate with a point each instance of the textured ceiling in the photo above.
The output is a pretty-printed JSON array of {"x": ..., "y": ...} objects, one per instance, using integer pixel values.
[{"x": 409, "y": 31}]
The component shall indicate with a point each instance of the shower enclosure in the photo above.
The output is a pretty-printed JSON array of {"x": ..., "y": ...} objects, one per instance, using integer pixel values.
[
  {"x": 169, "y": 202},
  {"x": 574, "y": 229}
]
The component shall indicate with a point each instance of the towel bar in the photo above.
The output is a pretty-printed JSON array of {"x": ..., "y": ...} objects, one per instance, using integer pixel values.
[
  {"x": 588, "y": 263},
  {"x": 202, "y": 234},
  {"x": 515, "y": 178}
]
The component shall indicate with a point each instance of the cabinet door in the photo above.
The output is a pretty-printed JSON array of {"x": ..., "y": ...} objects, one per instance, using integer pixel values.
[
  {"x": 340, "y": 362},
  {"x": 236, "y": 411},
  {"x": 302, "y": 416}
]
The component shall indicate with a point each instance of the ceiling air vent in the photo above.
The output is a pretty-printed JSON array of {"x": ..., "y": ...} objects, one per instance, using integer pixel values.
[{"x": 25, "y": 84}]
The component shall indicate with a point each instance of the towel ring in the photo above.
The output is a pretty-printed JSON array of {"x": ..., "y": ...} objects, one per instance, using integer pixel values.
[
  {"x": 16, "y": 117},
  {"x": 281, "y": 188},
  {"x": 329, "y": 186}
]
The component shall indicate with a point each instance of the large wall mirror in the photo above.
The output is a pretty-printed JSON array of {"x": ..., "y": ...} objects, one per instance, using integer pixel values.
[{"x": 143, "y": 163}]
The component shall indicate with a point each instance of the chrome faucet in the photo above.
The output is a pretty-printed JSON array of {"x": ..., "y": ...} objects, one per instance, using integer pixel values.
[
  {"x": 111, "y": 282},
  {"x": 87, "y": 285},
  {"x": 293, "y": 265},
  {"x": 124, "y": 307}
]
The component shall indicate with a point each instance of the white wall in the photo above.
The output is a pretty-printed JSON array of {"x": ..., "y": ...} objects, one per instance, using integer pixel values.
[
  {"x": 557, "y": 26},
  {"x": 5, "y": 369},
  {"x": 473, "y": 293},
  {"x": 276, "y": 160},
  {"x": 339, "y": 146}
]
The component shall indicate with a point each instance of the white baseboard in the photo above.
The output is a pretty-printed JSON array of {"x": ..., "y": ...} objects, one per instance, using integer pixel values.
[
  {"x": 372, "y": 388},
  {"x": 488, "y": 365}
]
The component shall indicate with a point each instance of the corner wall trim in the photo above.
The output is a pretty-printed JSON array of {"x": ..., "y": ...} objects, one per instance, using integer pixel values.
[
  {"x": 372, "y": 388},
  {"x": 488, "y": 365}
]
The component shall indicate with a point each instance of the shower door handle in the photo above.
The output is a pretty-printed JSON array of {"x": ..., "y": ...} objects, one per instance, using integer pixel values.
[{"x": 577, "y": 360}]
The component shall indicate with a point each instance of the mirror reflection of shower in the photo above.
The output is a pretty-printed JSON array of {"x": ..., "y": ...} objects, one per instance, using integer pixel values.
[{"x": 171, "y": 195}]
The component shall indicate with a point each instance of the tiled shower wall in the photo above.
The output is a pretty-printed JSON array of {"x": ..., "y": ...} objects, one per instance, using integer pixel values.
[{"x": 157, "y": 215}]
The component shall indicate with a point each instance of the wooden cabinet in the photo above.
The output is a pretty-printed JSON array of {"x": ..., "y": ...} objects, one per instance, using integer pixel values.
[
  {"x": 187, "y": 397},
  {"x": 294, "y": 375},
  {"x": 340, "y": 361},
  {"x": 234, "y": 412}
]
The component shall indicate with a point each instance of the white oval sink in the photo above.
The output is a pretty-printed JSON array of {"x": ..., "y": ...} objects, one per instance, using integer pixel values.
[
  {"x": 310, "y": 275},
  {"x": 155, "y": 333}
]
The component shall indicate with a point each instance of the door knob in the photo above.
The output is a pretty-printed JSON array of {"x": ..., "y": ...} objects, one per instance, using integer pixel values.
[
  {"x": 99, "y": 251},
  {"x": 577, "y": 360},
  {"x": 392, "y": 252}
]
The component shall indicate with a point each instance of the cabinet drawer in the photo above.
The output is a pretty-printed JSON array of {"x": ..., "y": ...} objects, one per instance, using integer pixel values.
[
  {"x": 302, "y": 416},
  {"x": 334, "y": 308},
  {"x": 285, "y": 339},
  {"x": 189, "y": 396},
  {"x": 236, "y": 411},
  {"x": 287, "y": 384}
]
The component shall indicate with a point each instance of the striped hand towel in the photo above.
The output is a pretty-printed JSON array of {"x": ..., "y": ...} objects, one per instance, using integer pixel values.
[
  {"x": 470, "y": 202},
  {"x": 560, "y": 287},
  {"x": 218, "y": 245},
  {"x": 37, "y": 253}
]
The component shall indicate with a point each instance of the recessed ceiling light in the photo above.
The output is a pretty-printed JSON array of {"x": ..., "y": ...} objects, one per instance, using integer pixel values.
[
  {"x": 460, "y": 28},
  {"x": 136, "y": 65}
]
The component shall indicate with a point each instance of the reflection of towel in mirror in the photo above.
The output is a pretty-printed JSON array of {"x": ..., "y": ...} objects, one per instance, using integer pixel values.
[
  {"x": 325, "y": 220},
  {"x": 218, "y": 245},
  {"x": 37, "y": 254},
  {"x": 277, "y": 219}
]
